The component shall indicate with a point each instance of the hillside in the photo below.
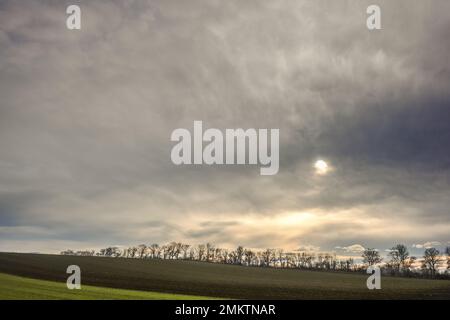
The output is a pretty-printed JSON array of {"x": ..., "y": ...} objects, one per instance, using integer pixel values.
[{"x": 217, "y": 280}]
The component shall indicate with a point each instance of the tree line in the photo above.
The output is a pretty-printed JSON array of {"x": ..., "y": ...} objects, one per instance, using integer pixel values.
[{"x": 399, "y": 262}]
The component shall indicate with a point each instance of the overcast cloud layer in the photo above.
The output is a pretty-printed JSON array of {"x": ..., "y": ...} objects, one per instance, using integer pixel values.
[{"x": 86, "y": 118}]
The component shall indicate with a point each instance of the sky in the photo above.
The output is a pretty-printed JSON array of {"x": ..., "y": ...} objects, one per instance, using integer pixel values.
[{"x": 86, "y": 117}]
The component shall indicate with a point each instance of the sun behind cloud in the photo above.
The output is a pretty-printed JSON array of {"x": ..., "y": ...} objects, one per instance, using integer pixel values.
[{"x": 321, "y": 167}]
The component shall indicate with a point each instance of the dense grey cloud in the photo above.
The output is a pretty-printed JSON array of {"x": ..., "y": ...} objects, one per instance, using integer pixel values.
[{"x": 86, "y": 118}]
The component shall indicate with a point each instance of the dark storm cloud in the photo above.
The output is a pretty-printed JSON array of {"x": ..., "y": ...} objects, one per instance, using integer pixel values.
[
  {"x": 413, "y": 136},
  {"x": 86, "y": 117}
]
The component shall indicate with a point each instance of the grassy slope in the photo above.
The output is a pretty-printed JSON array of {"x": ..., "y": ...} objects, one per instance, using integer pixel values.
[
  {"x": 217, "y": 280},
  {"x": 14, "y": 287}
]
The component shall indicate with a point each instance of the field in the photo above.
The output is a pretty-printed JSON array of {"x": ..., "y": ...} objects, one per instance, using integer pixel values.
[
  {"x": 14, "y": 287},
  {"x": 204, "y": 279}
]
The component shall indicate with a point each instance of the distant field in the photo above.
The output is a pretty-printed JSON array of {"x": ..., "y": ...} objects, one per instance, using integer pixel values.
[
  {"x": 218, "y": 280},
  {"x": 14, "y": 287}
]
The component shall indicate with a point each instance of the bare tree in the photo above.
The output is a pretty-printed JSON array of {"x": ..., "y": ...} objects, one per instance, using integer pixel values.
[
  {"x": 399, "y": 255},
  {"x": 132, "y": 251},
  {"x": 431, "y": 260},
  {"x": 309, "y": 259},
  {"x": 141, "y": 251},
  {"x": 447, "y": 252},
  {"x": 184, "y": 249},
  {"x": 224, "y": 255},
  {"x": 201, "y": 251},
  {"x": 267, "y": 257},
  {"x": 218, "y": 255},
  {"x": 371, "y": 256},
  {"x": 329, "y": 261},
  {"x": 192, "y": 254},
  {"x": 154, "y": 250},
  {"x": 209, "y": 252},
  {"x": 177, "y": 250},
  {"x": 164, "y": 251},
  {"x": 172, "y": 249},
  {"x": 249, "y": 257},
  {"x": 408, "y": 264},
  {"x": 303, "y": 260},
  {"x": 349, "y": 263},
  {"x": 239, "y": 253},
  {"x": 280, "y": 257}
]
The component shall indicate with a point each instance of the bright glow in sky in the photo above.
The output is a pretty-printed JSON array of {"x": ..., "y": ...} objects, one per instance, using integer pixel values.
[{"x": 321, "y": 167}]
